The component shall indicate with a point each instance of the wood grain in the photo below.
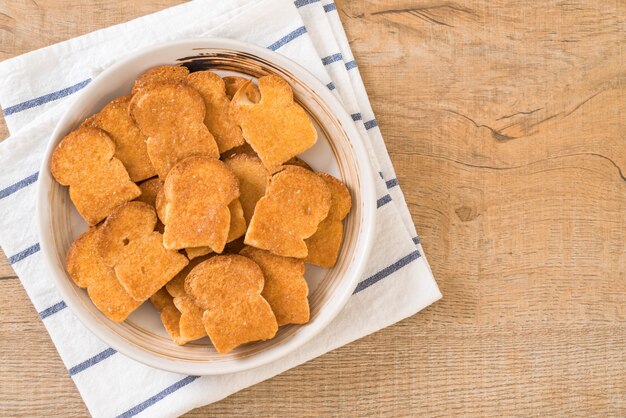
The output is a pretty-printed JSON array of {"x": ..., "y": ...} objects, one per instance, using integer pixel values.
[{"x": 505, "y": 121}]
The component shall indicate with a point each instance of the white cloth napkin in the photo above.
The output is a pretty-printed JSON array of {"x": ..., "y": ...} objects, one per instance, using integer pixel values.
[{"x": 37, "y": 87}]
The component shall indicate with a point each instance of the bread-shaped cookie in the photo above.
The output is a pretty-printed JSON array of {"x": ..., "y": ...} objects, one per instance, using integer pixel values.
[
  {"x": 277, "y": 128},
  {"x": 197, "y": 193},
  {"x": 135, "y": 251},
  {"x": 324, "y": 245},
  {"x": 228, "y": 288},
  {"x": 130, "y": 143},
  {"x": 217, "y": 117},
  {"x": 191, "y": 325},
  {"x": 88, "y": 270},
  {"x": 295, "y": 202},
  {"x": 237, "y": 229},
  {"x": 170, "y": 315},
  {"x": 98, "y": 181},
  {"x": 161, "y": 74},
  {"x": 285, "y": 288},
  {"x": 253, "y": 180},
  {"x": 238, "y": 224},
  {"x": 171, "y": 115},
  {"x": 181, "y": 317}
]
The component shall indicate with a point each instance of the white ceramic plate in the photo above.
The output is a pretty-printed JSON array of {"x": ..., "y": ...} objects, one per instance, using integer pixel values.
[{"x": 338, "y": 151}]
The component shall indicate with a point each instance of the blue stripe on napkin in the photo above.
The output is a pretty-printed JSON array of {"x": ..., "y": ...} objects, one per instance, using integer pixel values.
[
  {"x": 383, "y": 200},
  {"x": 287, "y": 38},
  {"x": 391, "y": 183},
  {"x": 24, "y": 253},
  {"x": 332, "y": 58},
  {"x": 52, "y": 310},
  {"x": 19, "y": 185},
  {"x": 91, "y": 361},
  {"x": 330, "y": 7},
  {"x": 404, "y": 261},
  {"x": 371, "y": 124},
  {"x": 300, "y": 3},
  {"x": 46, "y": 98},
  {"x": 156, "y": 398}
]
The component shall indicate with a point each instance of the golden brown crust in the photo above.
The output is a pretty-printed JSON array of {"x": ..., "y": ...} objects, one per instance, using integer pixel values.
[
  {"x": 149, "y": 190},
  {"x": 162, "y": 74},
  {"x": 217, "y": 117},
  {"x": 130, "y": 221},
  {"x": 176, "y": 286},
  {"x": 196, "y": 212},
  {"x": 238, "y": 223},
  {"x": 341, "y": 200},
  {"x": 85, "y": 266},
  {"x": 159, "y": 204},
  {"x": 98, "y": 181},
  {"x": 135, "y": 251},
  {"x": 130, "y": 143},
  {"x": 146, "y": 266},
  {"x": 295, "y": 202},
  {"x": 190, "y": 325},
  {"x": 172, "y": 117},
  {"x": 161, "y": 299},
  {"x": 185, "y": 324},
  {"x": 170, "y": 315},
  {"x": 228, "y": 288},
  {"x": 253, "y": 180},
  {"x": 277, "y": 128},
  {"x": 237, "y": 230},
  {"x": 285, "y": 288},
  {"x": 324, "y": 245}
]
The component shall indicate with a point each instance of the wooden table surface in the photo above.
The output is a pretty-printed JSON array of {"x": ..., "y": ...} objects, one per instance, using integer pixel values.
[{"x": 506, "y": 122}]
